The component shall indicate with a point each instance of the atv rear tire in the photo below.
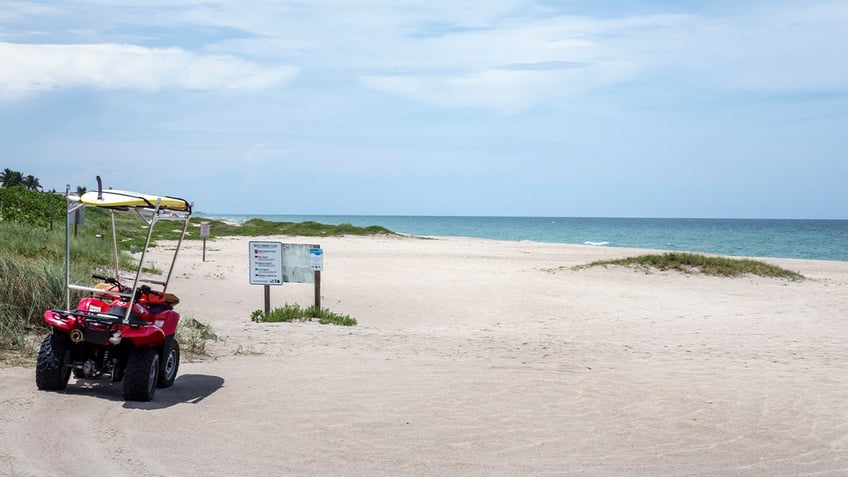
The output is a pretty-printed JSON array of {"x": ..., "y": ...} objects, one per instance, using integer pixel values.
[
  {"x": 170, "y": 363},
  {"x": 141, "y": 375},
  {"x": 52, "y": 370}
]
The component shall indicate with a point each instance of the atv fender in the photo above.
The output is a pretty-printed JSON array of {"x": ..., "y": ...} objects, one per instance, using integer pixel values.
[
  {"x": 143, "y": 335},
  {"x": 169, "y": 320},
  {"x": 59, "y": 321}
]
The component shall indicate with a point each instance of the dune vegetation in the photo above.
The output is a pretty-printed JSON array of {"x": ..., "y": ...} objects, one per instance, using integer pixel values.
[{"x": 698, "y": 263}]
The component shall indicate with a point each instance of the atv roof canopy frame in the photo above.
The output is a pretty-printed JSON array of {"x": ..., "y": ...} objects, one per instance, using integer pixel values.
[{"x": 150, "y": 208}]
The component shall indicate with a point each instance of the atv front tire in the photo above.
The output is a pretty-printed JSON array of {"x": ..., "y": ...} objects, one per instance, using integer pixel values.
[
  {"x": 52, "y": 369},
  {"x": 141, "y": 375},
  {"x": 170, "y": 363}
]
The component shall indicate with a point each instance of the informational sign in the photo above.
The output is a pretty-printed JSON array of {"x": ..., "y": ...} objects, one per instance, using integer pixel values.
[
  {"x": 266, "y": 263},
  {"x": 317, "y": 256},
  {"x": 204, "y": 234}
]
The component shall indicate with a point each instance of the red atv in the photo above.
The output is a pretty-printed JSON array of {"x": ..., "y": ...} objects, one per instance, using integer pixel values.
[{"x": 124, "y": 332}]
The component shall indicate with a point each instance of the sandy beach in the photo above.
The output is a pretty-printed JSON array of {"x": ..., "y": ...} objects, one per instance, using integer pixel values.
[{"x": 471, "y": 357}]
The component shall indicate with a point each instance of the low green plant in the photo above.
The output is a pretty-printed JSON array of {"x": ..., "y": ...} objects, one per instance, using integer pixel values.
[
  {"x": 259, "y": 227},
  {"x": 697, "y": 263},
  {"x": 295, "y": 312},
  {"x": 18, "y": 204},
  {"x": 28, "y": 287},
  {"x": 193, "y": 335},
  {"x": 88, "y": 248},
  {"x": 13, "y": 330}
]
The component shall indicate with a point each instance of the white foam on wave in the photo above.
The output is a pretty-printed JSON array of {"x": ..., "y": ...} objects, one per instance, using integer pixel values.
[{"x": 595, "y": 243}]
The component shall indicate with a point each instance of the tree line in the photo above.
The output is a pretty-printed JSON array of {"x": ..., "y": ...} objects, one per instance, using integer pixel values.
[{"x": 10, "y": 178}]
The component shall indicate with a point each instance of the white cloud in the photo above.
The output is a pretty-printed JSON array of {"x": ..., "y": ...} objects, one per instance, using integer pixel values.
[
  {"x": 450, "y": 54},
  {"x": 775, "y": 51},
  {"x": 31, "y": 68}
]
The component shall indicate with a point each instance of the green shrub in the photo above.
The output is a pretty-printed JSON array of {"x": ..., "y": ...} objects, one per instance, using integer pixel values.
[
  {"x": 289, "y": 313},
  {"x": 32, "y": 207},
  {"x": 259, "y": 227},
  {"x": 708, "y": 265}
]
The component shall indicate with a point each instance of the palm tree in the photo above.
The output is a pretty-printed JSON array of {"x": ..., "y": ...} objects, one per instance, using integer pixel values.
[
  {"x": 10, "y": 178},
  {"x": 31, "y": 182},
  {"x": 81, "y": 190}
]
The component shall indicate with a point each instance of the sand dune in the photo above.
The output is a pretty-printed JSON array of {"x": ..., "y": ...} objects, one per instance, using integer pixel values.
[{"x": 471, "y": 357}]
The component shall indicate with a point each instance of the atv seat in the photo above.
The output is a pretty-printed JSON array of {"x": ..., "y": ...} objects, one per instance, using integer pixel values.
[
  {"x": 157, "y": 302},
  {"x": 157, "y": 298}
]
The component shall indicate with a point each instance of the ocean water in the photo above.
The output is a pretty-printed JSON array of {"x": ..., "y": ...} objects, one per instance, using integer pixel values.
[{"x": 807, "y": 239}]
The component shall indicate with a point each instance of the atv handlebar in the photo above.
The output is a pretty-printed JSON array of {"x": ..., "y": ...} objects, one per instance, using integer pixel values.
[
  {"x": 110, "y": 281},
  {"x": 105, "y": 279},
  {"x": 143, "y": 290}
]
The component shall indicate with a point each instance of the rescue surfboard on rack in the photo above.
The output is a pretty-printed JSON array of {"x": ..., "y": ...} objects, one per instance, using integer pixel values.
[{"x": 123, "y": 198}]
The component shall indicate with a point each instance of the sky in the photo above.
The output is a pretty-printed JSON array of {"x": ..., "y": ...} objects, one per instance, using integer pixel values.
[{"x": 572, "y": 108}]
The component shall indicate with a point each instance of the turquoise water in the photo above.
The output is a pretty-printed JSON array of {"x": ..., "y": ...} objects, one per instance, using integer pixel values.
[{"x": 808, "y": 239}]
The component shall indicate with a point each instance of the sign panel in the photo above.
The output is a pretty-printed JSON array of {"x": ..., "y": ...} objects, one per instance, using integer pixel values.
[
  {"x": 266, "y": 263},
  {"x": 317, "y": 256},
  {"x": 298, "y": 262},
  {"x": 204, "y": 230}
]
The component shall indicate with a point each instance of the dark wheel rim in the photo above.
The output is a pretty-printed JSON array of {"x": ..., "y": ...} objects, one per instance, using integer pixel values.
[
  {"x": 151, "y": 377},
  {"x": 171, "y": 364}
]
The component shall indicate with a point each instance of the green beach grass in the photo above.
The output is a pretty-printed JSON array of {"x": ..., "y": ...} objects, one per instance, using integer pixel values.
[
  {"x": 260, "y": 227},
  {"x": 698, "y": 263},
  {"x": 295, "y": 312}
]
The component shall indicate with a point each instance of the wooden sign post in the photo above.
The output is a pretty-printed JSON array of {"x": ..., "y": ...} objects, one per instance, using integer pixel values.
[{"x": 316, "y": 256}]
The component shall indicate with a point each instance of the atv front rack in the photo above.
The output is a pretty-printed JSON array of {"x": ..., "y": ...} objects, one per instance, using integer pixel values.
[{"x": 100, "y": 318}]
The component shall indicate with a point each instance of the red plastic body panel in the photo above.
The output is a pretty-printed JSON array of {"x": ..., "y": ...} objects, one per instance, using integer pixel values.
[
  {"x": 171, "y": 319},
  {"x": 143, "y": 335},
  {"x": 62, "y": 322},
  {"x": 93, "y": 305},
  {"x": 141, "y": 311}
]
